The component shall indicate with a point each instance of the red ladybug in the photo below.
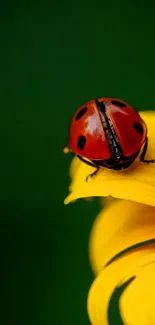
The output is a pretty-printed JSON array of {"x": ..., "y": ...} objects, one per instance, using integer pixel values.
[{"x": 108, "y": 132}]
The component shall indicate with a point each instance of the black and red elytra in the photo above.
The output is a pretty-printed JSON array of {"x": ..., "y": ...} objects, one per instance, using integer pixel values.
[{"x": 108, "y": 132}]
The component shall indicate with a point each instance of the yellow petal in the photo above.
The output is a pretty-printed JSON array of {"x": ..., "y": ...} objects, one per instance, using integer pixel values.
[
  {"x": 137, "y": 301},
  {"x": 120, "y": 225},
  {"x": 126, "y": 288},
  {"x": 136, "y": 183},
  {"x": 126, "y": 285},
  {"x": 75, "y": 164}
]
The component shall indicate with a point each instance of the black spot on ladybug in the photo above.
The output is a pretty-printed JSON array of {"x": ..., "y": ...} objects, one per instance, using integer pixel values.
[
  {"x": 81, "y": 142},
  {"x": 138, "y": 127},
  {"x": 117, "y": 103},
  {"x": 81, "y": 113}
]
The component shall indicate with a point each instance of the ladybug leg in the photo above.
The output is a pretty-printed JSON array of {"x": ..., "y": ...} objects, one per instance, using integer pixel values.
[
  {"x": 93, "y": 174},
  {"x": 86, "y": 161},
  {"x": 142, "y": 158},
  {"x": 90, "y": 164}
]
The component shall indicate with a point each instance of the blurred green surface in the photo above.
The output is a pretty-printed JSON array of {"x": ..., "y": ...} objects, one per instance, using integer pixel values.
[{"x": 54, "y": 57}]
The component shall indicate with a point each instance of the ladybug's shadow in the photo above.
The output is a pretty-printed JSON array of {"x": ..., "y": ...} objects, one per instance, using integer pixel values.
[{"x": 135, "y": 166}]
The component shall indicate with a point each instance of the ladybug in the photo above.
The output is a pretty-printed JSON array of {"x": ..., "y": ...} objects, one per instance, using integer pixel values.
[{"x": 108, "y": 132}]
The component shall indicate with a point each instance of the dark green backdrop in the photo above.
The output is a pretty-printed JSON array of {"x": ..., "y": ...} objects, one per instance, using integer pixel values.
[{"x": 54, "y": 57}]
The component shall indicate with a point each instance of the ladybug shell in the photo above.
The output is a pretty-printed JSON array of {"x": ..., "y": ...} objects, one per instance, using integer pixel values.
[
  {"x": 129, "y": 126},
  {"x": 87, "y": 136}
]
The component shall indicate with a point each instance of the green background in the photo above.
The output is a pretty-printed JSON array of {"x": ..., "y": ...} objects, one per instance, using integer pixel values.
[{"x": 54, "y": 57}]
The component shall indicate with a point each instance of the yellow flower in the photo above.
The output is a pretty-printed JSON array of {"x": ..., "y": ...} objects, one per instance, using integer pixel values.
[
  {"x": 122, "y": 241},
  {"x": 122, "y": 255}
]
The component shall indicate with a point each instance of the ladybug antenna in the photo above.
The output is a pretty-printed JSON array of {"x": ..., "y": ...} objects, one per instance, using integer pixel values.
[{"x": 66, "y": 150}]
